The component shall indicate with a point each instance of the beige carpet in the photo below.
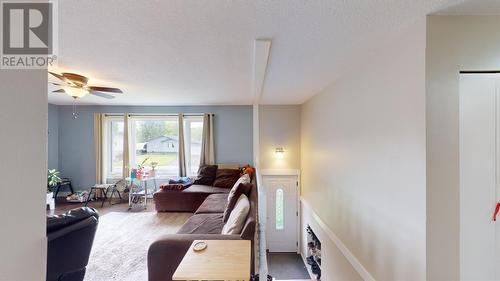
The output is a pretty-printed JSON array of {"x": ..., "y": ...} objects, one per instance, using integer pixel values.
[{"x": 122, "y": 240}]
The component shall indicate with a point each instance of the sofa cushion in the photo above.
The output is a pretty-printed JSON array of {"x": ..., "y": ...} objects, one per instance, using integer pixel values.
[
  {"x": 196, "y": 188},
  {"x": 215, "y": 203},
  {"x": 226, "y": 178},
  {"x": 238, "y": 216},
  {"x": 234, "y": 195},
  {"x": 206, "y": 175},
  {"x": 187, "y": 200},
  {"x": 203, "y": 224}
]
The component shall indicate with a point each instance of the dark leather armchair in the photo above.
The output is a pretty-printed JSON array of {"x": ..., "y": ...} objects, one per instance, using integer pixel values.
[{"x": 69, "y": 241}]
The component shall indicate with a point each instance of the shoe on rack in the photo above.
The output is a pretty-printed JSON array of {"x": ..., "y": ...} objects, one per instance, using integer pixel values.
[
  {"x": 315, "y": 269},
  {"x": 310, "y": 260}
]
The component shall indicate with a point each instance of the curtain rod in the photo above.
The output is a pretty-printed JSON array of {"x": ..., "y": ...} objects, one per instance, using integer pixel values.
[{"x": 157, "y": 114}]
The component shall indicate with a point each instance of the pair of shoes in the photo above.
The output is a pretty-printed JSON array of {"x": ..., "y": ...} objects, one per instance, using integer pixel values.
[
  {"x": 317, "y": 253},
  {"x": 315, "y": 269},
  {"x": 256, "y": 277},
  {"x": 314, "y": 252},
  {"x": 310, "y": 260}
]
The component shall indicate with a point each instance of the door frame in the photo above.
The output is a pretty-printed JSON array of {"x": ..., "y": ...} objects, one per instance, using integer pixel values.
[
  {"x": 286, "y": 172},
  {"x": 495, "y": 77}
]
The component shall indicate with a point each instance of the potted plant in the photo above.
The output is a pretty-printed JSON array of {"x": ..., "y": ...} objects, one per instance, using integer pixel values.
[
  {"x": 52, "y": 178},
  {"x": 140, "y": 170}
]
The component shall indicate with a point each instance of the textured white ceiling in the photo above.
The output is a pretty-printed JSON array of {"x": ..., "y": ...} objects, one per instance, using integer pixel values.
[{"x": 189, "y": 52}]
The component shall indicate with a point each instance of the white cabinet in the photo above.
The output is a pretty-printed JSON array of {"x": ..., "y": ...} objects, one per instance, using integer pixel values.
[{"x": 479, "y": 176}]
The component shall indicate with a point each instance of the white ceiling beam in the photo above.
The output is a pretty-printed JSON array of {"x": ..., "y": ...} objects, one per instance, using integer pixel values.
[{"x": 262, "y": 50}]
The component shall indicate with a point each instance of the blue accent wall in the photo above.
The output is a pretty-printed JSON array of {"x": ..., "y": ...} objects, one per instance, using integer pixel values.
[
  {"x": 53, "y": 137},
  {"x": 233, "y": 136}
]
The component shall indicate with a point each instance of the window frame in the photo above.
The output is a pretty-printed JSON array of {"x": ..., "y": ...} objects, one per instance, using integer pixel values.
[
  {"x": 107, "y": 139},
  {"x": 187, "y": 140},
  {"x": 108, "y": 147},
  {"x": 133, "y": 136}
]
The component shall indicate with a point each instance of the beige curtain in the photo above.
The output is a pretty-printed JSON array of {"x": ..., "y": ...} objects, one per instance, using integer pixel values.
[
  {"x": 182, "y": 150},
  {"x": 98, "y": 147},
  {"x": 126, "y": 138},
  {"x": 207, "y": 142}
]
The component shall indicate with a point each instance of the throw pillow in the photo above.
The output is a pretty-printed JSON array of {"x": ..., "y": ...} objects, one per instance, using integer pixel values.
[
  {"x": 234, "y": 195},
  {"x": 206, "y": 175},
  {"x": 247, "y": 169},
  {"x": 226, "y": 177},
  {"x": 243, "y": 179},
  {"x": 238, "y": 216}
]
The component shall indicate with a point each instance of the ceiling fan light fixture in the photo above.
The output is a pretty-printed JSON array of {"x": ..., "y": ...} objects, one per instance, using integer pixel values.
[
  {"x": 76, "y": 92},
  {"x": 75, "y": 86}
]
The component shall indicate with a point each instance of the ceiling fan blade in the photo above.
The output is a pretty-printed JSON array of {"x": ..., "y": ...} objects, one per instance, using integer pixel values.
[
  {"x": 105, "y": 89},
  {"x": 102, "y": 95},
  {"x": 59, "y": 91},
  {"x": 60, "y": 77}
]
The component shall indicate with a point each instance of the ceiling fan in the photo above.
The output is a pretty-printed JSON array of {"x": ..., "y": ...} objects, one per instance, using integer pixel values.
[{"x": 75, "y": 85}]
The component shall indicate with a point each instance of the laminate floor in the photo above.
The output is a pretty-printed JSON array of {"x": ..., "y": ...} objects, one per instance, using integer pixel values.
[{"x": 62, "y": 206}]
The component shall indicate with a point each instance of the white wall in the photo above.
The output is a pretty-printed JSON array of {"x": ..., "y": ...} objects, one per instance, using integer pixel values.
[
  {"x": 454, "y": 43},
  {"x": 279, "y": 127},
  {"x": 363, "y": 158},
  {"x": 23, "y": 123}
]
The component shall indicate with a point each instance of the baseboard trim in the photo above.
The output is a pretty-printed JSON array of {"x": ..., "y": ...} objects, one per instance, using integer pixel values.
[{"x": 356, "y": 264}]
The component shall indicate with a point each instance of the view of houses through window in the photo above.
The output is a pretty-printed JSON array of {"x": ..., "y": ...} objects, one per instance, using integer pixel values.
[{"x": 154, "y": 139}]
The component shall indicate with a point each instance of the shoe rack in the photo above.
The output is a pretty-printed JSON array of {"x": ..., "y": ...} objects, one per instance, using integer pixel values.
[{"x": 313, "y": 253}]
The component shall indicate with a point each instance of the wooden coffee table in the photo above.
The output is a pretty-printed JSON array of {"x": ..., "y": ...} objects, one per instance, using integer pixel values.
[{"x": 221, "y": 260}]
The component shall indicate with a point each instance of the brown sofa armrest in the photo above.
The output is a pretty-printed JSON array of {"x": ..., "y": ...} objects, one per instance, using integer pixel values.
[{"x": 165, "y": 254}]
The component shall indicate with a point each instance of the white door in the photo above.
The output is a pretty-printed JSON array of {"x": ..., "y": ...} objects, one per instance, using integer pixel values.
[
  {"x": 282, "y": 213},
  {"x": 479, "y": 176}
]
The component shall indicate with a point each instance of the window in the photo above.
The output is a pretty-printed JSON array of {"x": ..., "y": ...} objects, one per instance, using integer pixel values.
[
  {"x": 115, "y": 148},
  {"x": 154, "y": 139},
  {"x": 193, "y": 131},
  {"x": 279, "y": 209}
]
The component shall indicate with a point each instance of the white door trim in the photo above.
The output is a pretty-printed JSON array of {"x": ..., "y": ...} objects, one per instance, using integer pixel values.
[{"x": 285, "y": 172}]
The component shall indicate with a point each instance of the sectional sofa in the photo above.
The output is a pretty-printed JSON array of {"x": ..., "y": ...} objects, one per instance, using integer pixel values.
[{"x": 208, "y": 204}]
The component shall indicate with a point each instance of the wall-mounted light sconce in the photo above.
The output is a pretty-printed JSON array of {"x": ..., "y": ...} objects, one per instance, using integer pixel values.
[{"x": 280, "y": 152}]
